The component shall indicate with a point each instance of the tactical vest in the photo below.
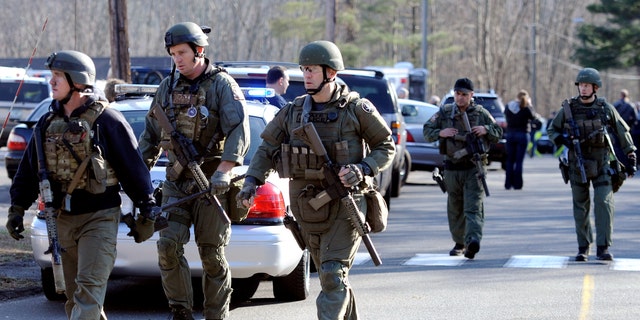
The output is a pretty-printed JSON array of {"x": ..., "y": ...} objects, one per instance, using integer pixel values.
[
  {"x": 590, "y": 121},
  {"x": 191, "y": 116},
  {"x": 337, "y": 129},
  {"x": 69, "y": 143},
  {"x": 453, "y": 119}
]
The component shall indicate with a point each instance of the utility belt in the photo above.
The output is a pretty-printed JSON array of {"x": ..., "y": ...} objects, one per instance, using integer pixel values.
[{"x": 458, "y": 166}]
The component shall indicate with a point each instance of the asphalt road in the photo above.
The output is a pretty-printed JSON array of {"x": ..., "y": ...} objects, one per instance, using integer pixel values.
[{"x": 523, "y": 271}]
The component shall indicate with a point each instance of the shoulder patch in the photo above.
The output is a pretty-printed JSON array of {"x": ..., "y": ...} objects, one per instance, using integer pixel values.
[
  {"x": 434, "y": 117},
  {"x": 367, "y": 106}
]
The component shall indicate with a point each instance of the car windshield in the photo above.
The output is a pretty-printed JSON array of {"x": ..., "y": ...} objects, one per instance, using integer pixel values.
[
  {"x": 29, "y": 93},
  {"x": 374, "y": 90}
]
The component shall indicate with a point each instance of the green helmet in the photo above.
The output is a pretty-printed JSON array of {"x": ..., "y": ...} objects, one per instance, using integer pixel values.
[
  {"x": 321, "y": 53},
  {"x": 589, "y": 75},
  {"x": 186, "y": 32},
  {"x": 77, "y": 65}
]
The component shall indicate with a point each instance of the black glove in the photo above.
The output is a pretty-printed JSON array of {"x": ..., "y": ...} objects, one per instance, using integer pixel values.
[
  {"x": 247, "y": 192},
  {"x": 15, "y": 223},
  {"x": 631, "y": 165},
  {"x": 562, "y": 140}
]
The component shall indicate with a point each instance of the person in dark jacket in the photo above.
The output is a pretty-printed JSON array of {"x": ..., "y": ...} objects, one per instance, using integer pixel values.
[
  {"x": 80, "y": 128},
  {"x": 519, "y": 113}
]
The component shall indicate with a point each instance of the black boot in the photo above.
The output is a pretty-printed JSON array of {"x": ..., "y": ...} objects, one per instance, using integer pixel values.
[
  {"x": 472, "y": 248},
  {"x": 457, "y": 250},
  {"x": 603, "y": 253},
  {"x": 583, "y": 254},
  {"x": 181, "y": 313}
]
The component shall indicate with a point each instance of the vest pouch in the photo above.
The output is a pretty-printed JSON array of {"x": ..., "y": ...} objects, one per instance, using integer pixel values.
[
  {"x": 590, "y": 168},
  {"x": 341, "y": 151},
  {"x": 97, "y": 175},
  {"x": 377, "y": 211},
  {"x": 282, "y": 161},
  {"x": 312, "y": 220}
]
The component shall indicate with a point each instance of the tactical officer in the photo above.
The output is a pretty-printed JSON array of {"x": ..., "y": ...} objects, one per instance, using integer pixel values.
[
  {"x": 356, "y": 138},
  {"x": 465, "y": 208},
  {"x": 78, "y": 133},
  {"x": 205, "y": 107},
  {"x": 593, "y": 120}
]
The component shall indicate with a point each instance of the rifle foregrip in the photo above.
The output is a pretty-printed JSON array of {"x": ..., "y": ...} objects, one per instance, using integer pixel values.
[{"x": 357, "y": 219}]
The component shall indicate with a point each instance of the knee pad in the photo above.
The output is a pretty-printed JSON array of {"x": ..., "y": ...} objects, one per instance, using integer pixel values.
[
  {"x": 168, "y": 253},
  {"x": 212, "y": 258},
  {"x": 333, "y": 276}
]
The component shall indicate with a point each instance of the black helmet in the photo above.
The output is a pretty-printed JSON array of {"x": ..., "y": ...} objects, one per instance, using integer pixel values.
[
  {"x": 321, "y": 53},
  {"x": 589, "y": 75},
  {"x": 186, "y": 32},
  {"x": 77, "y": 65}
]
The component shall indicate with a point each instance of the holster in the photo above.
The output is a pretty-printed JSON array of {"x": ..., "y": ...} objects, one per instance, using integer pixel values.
[{"x": 564, "y": 169}]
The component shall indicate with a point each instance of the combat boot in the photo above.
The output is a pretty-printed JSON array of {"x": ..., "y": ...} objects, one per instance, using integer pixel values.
[
  {"x": 457, "y": 250},
  {"x": 472, "y": 248},
  {"x": 603, "y": 253},
  {"x": 583, "y": 254},
  {"x": 181, "y": 313}
]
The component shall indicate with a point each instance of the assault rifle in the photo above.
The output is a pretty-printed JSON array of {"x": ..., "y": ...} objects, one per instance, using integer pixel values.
[
  {"x": 574, "y": 135},
  {"x": 337, "y": 190},
  {"x": 50, "y": 213},
  {"x": 187, "y": 157},
  {"x": 156, "y": 211},
  {"x": 476, "y": 149}
]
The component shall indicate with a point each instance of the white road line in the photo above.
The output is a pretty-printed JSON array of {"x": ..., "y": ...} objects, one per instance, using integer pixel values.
[
  {"x": 423, "y": 259},
  {"x": 524, "y": 261}
]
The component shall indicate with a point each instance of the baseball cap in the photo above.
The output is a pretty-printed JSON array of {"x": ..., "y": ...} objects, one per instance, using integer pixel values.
[{"x": 463, "y": 85}]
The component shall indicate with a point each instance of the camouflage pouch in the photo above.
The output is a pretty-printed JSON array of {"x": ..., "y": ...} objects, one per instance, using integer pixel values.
[
  {"x": 617, "y": 172},
  {"x": 97, "y": 175},
  {"x": 236, "y": 214},
  {"x": 377, "y": 211}
]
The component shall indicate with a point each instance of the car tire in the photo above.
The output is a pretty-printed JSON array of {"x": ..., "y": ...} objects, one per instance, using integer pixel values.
[
  {"x": 397, "y": 174},
  {"x": 387, "y": 196},
  {"x": 407, "y": 167},
  {"x": 48, "y": 285},
  {"x": 294, "y": 286},
  {"x": 243, "y": 289}
]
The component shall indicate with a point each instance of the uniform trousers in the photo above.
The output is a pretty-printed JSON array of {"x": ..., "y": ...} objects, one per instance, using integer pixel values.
[
  {"x": 465, "y": 209},
  {"x": 211, "y": 235},
  {"x": 89, "y": 243}
]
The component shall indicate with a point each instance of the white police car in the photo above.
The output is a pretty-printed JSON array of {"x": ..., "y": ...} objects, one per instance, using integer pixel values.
[{"x": 261, "y": 248}]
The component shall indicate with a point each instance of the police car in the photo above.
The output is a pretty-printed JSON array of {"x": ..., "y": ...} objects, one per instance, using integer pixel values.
[{"x": 261, "y": 248}]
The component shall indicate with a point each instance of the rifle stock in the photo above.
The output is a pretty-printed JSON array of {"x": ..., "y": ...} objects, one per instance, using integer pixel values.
[
  {"x": 309, "y": 135},
  {"x": 55, "y": 249},
  {"x": 186, "y": 155},
  {"x": 476, "y": 150}
]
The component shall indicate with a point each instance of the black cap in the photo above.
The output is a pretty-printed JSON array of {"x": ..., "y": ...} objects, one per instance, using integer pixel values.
[{"x": 463, "y": 85}]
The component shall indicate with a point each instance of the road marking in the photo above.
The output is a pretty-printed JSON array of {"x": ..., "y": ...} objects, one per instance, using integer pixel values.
[
  {"x": 524, "y": 261},
  {"x": 587, "y": 290},
  {"x": 424, "y": 259},
  {"x": 361, "y": 258},
  {"x": 625, "y": 264}
]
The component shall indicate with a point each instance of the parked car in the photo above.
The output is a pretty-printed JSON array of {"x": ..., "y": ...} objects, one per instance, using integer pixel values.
[
  {"x": 19, "y": 137},
  {"x": 424, "y": 155},
  {"x": 146, "y": 75},
  {"x": 261, "y": 248},
  {"x": 32, "y": 91},
  {"x": 372, "y": 84},
  {"x": 493, "y": 103},
  {"x": 543, "y": 144}
]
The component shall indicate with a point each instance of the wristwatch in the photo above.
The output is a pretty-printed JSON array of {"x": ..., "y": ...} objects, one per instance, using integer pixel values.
[{"x": 366, "y": 170}]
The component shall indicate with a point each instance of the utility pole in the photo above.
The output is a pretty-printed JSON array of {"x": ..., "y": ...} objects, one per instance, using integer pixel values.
[
  {"x": 330, "y": 28},
  {"x": 120, "y": 60}
]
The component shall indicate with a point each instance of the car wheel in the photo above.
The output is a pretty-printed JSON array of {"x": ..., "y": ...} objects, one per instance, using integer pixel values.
[
  {"x": 294, "y": 286},
  {"x": 396, "y": 181},
  {"x": 48, "y": 285},
  {"x": 243, "y": 289},
  {"x": 387, "y": 196}
]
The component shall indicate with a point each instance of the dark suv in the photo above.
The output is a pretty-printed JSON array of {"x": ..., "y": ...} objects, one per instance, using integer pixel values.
[
  {"x": 372, "y": 84},
  {"x": 492, "y": 102}
]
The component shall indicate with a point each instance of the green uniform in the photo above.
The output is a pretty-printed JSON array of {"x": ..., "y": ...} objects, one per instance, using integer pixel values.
[
  {"x": 210, "y": 112},
  {"x": 465, "y": 209},
  {"x": 591, "y": 120},
  {"x": 352, "y": 132}
]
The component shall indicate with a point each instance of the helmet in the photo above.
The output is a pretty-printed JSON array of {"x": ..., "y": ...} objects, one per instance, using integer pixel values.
[
  {"x": 321, "y": 53},
  {"x": 77, "y": 65},
  {"x": 186, "y": 32},
  {"x": 589, "y": 75}
]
